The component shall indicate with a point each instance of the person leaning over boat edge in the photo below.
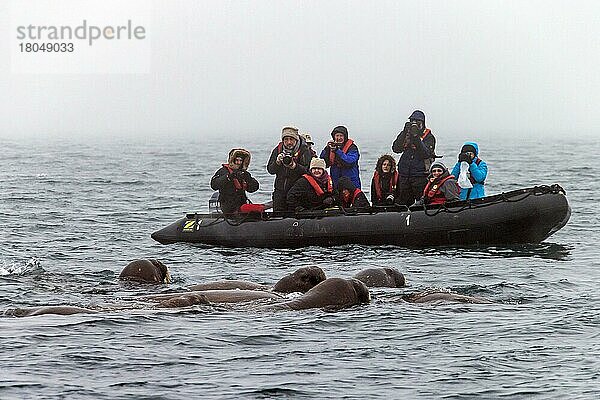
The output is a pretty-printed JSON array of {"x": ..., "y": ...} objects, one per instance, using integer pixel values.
[
  {"x": 417, "y": 145},
  {"x": 477, "y": 173},
  {"x": 349, "y": 195},
  {"x": 441, "y": 186},
  {"x": 341, "y": 155},
  {"x": 384, "y": 182},
  {"x": 288, "y": 162},
  {"x": 233, "y": 180},
  {"x": 314, "y": 190}
]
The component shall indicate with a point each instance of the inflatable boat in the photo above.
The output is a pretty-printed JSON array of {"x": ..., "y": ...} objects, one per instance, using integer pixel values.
[{"x": 521, "y": 216}]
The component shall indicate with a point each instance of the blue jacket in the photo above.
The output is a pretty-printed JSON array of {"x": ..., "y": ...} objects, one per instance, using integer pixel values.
[
  {"x": 477, "y": 172},
  {"x": 345, "y": 164}
]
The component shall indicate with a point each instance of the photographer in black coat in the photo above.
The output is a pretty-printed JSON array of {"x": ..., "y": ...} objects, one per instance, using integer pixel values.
[
  {"x": 233, "y": 180},
  {"x": 416, "y": 143},
  {"x": 289, "y": 161}
]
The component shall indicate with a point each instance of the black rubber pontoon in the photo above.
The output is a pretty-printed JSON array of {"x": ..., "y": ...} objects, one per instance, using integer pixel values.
[{"x": 521, "y": 216}]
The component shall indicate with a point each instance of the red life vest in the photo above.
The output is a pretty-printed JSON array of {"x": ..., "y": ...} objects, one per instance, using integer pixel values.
[
  {"x": 243, "y": 185},
  {"x": 392, "y": 188},
  {"x": 432, "y": 192},
  {"x": 345, "y": 149},
  {"x": 426, "y": 132},
  {"x": 357, "y": 191},
  {"x": 317, "y": 188}
]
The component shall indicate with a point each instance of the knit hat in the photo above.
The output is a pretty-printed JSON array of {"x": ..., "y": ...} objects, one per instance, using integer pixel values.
[
  {"x": 307, "y": 138},
  {"x": 290, "y": 131},
  {"x": 340, "y": 129},
  {"x": 438, "y": 164},
  {"x": 418, "y": 115},
  {"x": 317, "y": 163}
]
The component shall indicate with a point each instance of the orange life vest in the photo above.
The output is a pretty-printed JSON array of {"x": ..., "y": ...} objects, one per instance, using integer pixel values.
[
  {"x": 345, "y": 149},
  {"x": 432, "y": 192},
  {"x": 317, "y": 188},
  {"x": 357, "y": 191},
  {"x": 393, "y": 183}
]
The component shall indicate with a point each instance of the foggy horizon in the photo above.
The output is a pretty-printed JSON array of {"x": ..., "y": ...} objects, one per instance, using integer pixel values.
[{"x": 477, "y": 69}]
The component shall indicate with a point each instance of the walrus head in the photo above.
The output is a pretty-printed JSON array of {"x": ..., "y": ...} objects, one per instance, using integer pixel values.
[
  {"x": 301, "y": 280},
  {"x": 362, "y": 292},
  {"x": 146, "y": 271},
  {"x": 396, "y": 276}
]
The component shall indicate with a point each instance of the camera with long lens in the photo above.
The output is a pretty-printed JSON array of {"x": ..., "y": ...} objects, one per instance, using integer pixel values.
[{"x": 287, "y": 158}]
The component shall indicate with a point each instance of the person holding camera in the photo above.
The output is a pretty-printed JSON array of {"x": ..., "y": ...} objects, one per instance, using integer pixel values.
[
  {"x": 313, "y": 191},
  {"x": 384, "y": 182},
  {"x": 233, "y": 180},
  {"x": 476, "y": 173},
  {"x": 416, "y": 143},
  {"x": 288, "y": 162},
  {"x": 341, "y": 156}
]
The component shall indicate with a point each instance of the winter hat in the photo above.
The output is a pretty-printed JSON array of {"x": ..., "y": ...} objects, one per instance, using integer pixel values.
[
  {"x": 307, "y": 138},
  {"x": 468, "y": 148},
  {"x": 290, "y": 131},
  {"x": 438, "y": 164},
  {"x": 418, "y": 115},
  {"x": 340, "y": 129},
  {"x": 317, "y": 163}
]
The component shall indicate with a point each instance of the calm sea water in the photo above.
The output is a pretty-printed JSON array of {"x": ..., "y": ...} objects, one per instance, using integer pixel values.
[{"x": 73, "y": 213}]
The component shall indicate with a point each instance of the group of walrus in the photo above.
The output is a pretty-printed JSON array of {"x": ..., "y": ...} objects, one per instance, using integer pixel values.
[{"x": 315, "y": 289}]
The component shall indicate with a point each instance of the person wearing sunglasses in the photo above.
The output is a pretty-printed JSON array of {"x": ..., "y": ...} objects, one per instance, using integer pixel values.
[{"x": 441, "y": 186}]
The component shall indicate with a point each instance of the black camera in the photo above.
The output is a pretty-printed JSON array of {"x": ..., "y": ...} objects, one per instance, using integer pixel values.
[{"x": 287, "y": 158}]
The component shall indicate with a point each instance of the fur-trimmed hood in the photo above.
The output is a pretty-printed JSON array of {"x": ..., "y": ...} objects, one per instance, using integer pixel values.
[{"x": 245, "y": 154}]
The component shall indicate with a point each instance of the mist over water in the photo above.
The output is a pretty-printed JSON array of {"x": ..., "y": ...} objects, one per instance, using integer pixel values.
[{"x": 74, "y": 212}]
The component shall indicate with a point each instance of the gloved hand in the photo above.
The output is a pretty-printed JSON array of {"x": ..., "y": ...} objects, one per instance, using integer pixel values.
[
  {"x": 238, "y": 174},
  {"x": 279, "y": 159},
  {"x": 464, "y": 157},
  {"x": 407, "y": 127},
  {"x": 332, "y": 145},
  {"x": 389, "y": 199},
  {"x": 328, "y": 201}
]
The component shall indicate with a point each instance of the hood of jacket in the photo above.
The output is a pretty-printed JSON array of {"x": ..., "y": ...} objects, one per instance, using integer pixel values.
[
  {"x": 245, "y": 154},
  {"x": 474, "y": 145}
]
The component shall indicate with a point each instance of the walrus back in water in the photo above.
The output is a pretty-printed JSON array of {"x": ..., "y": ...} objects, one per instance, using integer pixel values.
[{"x": 331, "y": 294}]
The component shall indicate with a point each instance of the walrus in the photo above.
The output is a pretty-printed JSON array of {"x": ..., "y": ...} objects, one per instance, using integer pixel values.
[
  {"x": 301, "y": 280},
  {"x": 331, "y": 294},
  {"x": 184, "y": 300},
  {"x": 228, "y": 285},
  {"x": 381, "y": 277},
  {"x": 219, "y": 296},
  {"x": 57, "y": 310},
  {"x": 430, "y": 297},
  {"x": 146, "y": 271}
]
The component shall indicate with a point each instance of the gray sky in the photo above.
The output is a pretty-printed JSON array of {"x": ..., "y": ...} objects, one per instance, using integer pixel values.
[{"x": 477, "y": 68}]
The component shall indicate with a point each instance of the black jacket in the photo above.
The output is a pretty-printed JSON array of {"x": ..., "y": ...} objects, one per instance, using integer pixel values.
[
  {"x": 303, "y": 196},
  {"x": 231, "y": 199},
  {"x": 417, "y": 156},
  {"x": 286, "y": 177}
]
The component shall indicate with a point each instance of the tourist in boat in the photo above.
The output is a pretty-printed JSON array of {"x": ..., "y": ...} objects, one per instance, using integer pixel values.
[
  {"x": 233, "y": 180},
  {"x": 289, "y": 161},
  {"x": 476, "y": 173},
  {"x": 441, "y": 186},
  {"x": 341, "y": 156},
  {"x": 416, "y": 143},
  {"x": 309, "y": 143},
  {"x": 349, "y": 195},
  {"x": 314, "y": 190},
  {"x": 384, "y": 182}
]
